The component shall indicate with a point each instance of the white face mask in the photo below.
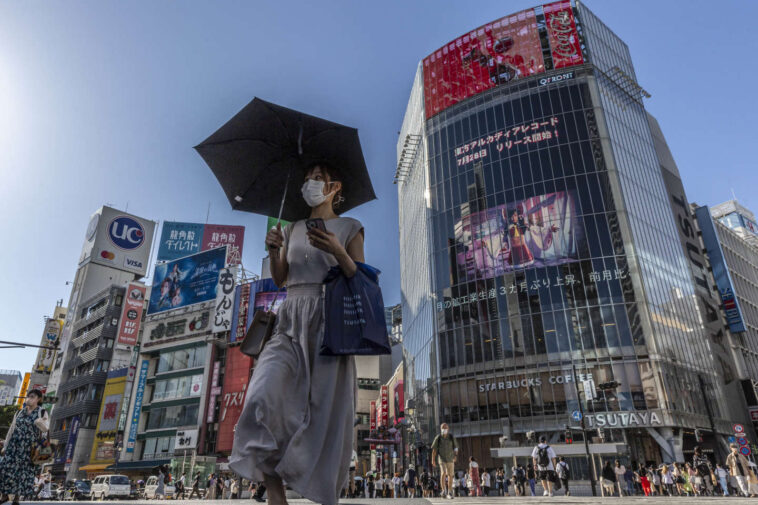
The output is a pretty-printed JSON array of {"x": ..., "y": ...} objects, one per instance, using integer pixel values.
[
  {"x": 444, "y": 432},
  {"x": 313, "y": 193}
]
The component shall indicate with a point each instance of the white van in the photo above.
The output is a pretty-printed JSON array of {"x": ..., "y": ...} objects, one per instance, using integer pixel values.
[
  {"x": 152, "y": 484},
  {"x": 110, "y": 486}
]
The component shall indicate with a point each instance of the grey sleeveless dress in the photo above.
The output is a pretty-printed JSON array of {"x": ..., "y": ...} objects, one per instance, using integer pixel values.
[{"x": 297, "y": 421}]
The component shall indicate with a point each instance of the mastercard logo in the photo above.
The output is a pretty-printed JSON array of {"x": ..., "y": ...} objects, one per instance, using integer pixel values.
[{"x": 107, "y": 255}]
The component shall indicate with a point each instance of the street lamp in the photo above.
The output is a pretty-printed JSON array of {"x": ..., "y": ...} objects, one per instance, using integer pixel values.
[{"x": 590, "y": 463}]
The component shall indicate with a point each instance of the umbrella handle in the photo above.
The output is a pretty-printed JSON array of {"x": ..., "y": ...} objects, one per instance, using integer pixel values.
[{"x": 284, "y": 196}]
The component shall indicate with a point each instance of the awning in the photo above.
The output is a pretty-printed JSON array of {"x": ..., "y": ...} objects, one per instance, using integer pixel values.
[
  {"x": 94, "y": 468},
  {"x": 137, "y": 465}
]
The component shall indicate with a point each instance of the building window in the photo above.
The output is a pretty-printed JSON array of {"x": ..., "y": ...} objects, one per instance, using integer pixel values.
[
  {"x": 118, "y": 300},
  {"x": 177, "y": 387},
  {"x": 181, "y": 359},
  {"x": 171, "y": 417}
]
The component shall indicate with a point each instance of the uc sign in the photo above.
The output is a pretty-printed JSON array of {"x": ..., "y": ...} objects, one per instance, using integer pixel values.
[{"x": 126, "y": 233}]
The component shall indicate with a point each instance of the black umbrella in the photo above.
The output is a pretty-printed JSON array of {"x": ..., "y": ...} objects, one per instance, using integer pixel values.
[{"x": 260, "y": 155}]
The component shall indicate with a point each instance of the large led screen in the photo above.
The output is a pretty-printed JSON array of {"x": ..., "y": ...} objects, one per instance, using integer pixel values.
[
  {"x": 535, "y": 232},
  {"x": 499, "y": 52}
]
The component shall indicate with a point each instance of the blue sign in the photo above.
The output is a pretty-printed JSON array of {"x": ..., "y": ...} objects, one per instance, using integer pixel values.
[
  {"x": 742, "y": 441},
  {"x": 126, "y": 233},
  {"x": 745, "y": 450},
  {"x": 731, "y": 439},
  {"x": 73, "y": 434},
  {"x": 179, "y": 240},
  {"x": 138, "y": 395},
  {"x": 729, "y": 303},
  {"x": 186, "y": 281},
  {"x": 576, "y": 415}
]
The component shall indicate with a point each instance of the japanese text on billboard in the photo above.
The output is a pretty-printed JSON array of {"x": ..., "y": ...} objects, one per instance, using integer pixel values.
[{"x": 186, "y": 281}]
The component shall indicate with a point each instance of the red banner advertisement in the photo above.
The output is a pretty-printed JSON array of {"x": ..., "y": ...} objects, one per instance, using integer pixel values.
[
  {"x": 219, "y": 235},
  {"x": 488, "y": 56},
  {"x": 372, "y": 421},
  {"x": 564, "y": 39},
  {"x": 131, "y": 314},
  {"x": 385, "y": 406},
  {"x": 236, "y": 378},
  {"x": 399, "y": 398}
]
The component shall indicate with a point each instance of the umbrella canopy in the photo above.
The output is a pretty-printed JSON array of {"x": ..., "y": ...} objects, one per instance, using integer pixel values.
[{"x": 261, "y": 154}]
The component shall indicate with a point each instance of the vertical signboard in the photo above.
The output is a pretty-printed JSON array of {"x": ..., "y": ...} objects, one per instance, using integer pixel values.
[
  {"x": 565, "y": 46},
  {"x": 105, "y": 432},
  {"x": 372, "y": 422},
  {"x": 385, "y": 406},
  {"x": 222, "y": 317},
  {"x": 236, "y": 377},
  {"x": 46, "y": 357},
  {"x": 239, "y": 315},
  {"x": 131, "y": 314},
  {"x": 399, "y": 401},
  {"x": 721, "y": 275},
  {"x": 139, "y": 393},
  {"x": 73, "y": 434},
  {"x": 215, "y": 390},
  {"x": 24, "y": 388}
]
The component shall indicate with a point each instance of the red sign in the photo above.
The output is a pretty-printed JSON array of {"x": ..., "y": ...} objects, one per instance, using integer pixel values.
[
  {"x": 738, "y": 428},
  {"x": 399, "y": 398},
  {"x": 131, "y": 314},
  {"x": 238, "y": 334},
  {"x": 236, "y": 378},
  {"x": 219, "y": 235},
  {"x": 372, "y": 420},
  {"x": 488, "y": 56},
  {"x": 385, "y": 406},
  {"x": 753, "y": 413},
  {"x": 561, "y": 30}
]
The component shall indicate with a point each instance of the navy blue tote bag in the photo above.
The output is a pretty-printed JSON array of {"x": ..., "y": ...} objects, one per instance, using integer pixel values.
[{"x": 354, "y": 314}]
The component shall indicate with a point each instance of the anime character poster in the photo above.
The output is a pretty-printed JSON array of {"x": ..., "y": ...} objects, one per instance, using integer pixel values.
[
  {"x": 535, "y": 232},
  {"x": 186, "y": 281}
]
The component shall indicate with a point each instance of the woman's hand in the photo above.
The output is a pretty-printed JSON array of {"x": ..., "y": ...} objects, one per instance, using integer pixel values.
[
  {"x": 326, "y": 241},
  {"x": 275, "y": 237}
]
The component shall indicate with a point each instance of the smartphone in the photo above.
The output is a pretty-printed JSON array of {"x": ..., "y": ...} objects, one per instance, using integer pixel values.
[{"x": 317, "y": 223}]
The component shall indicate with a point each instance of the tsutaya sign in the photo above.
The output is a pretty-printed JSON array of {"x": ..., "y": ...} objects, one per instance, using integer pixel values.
[
  {"x": 528, "y": 382},
  {"x": 624, "y": 419}
]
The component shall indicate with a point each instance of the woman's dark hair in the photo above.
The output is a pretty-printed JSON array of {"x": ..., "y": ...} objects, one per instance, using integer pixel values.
[
  {"x": 35, "y": 392},
  {"x": 334, "y": 175}
]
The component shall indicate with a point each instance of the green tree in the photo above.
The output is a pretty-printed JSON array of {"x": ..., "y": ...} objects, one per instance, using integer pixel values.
[{"x": 6, "y": 418}]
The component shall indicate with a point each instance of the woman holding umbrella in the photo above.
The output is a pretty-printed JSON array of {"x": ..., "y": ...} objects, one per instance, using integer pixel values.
[{"x": 297, "y": 422}]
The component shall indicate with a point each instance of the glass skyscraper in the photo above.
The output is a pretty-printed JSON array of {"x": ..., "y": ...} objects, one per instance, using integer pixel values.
[{"x": 539, "y": 251}]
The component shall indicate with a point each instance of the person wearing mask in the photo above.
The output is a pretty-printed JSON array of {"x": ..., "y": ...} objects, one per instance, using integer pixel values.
[
  {"x": 17, "y": 471},
  {"x": 608, "y": 479},
  {"x": 702, "y": 466},
  {"x": 445, "y": 454},
  {"x": 564, "y": 473},
  {"x": 739, "y": 468},
  {"x": 619, "y": 470},
  {"x": 544, "y": 459},
  {"x": 722, "y": 475},
  {"x": 300, "y": 401}
]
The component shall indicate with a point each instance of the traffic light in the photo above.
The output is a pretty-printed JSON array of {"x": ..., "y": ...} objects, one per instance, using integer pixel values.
[
  {"x": 698, "y": 436},
  {"x": 567, "y": 435}
]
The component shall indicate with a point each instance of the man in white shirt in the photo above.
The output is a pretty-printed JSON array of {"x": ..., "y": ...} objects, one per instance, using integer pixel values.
[
  {"x": 619, "y": 470},
  {"x": 543, "y": 457},
  {"x": 379, "y": 485},
  {"x": 351, "y": 484}
]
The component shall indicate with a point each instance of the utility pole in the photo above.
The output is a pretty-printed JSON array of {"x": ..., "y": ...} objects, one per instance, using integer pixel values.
[{"x": 590, "y": 460}]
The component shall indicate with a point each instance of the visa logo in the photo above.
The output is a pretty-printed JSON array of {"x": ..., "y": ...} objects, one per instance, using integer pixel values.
[{"x": 131, "y": 263}]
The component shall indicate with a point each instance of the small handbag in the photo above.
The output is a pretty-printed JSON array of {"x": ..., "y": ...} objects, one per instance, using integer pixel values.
[
  {"x": 42, "y": 451},
  {"x": 260, "y": 331}
]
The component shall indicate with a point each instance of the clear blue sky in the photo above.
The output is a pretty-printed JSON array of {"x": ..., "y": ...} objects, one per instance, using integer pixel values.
[{"x": 102, "y": 101}]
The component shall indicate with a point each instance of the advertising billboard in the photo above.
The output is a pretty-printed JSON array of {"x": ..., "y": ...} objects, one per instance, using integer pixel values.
[
  {"x": 186, "y": 281},
  {"x": 131, "y": 314},
  {"x": 259, "y": 294},
  {"x": 385, "y": 399},
  {"x": 73, "y": 434},
  {"x": 24, "y": 389},
  {"x": 180, "y": 239},
  {"x": 46, "y": 357},
  {"x": 139, "y": 394},
  {"x": 497, "y": 53},
  {"x": 565, "y": 47},
  {"x": 118, "y": 240},
  {"x": 536, "y": 232},
  {"x": 399, "y": 402},
  {"x": 224, "y": 307},
  {"x": 107, "y": 422},
  {"x": 729, "y": 302},
  {"x": 236, "y": 378}
]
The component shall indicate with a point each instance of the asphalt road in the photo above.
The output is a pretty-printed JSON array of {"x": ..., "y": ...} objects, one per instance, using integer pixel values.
[{"x": 505, "y": 500}]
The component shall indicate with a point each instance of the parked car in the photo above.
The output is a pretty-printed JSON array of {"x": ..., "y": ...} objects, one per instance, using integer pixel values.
[
  {"x": 110, "y": 486},
  {"x": 152, "y": 484},
  {"x": 75, "y": 490}
]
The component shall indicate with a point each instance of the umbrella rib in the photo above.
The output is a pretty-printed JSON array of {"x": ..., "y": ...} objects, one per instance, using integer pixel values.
[
  {"x": 281, "y": 123},
  {"x": 281, "y": 158},
  {"x": 241, "y": 139}
]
